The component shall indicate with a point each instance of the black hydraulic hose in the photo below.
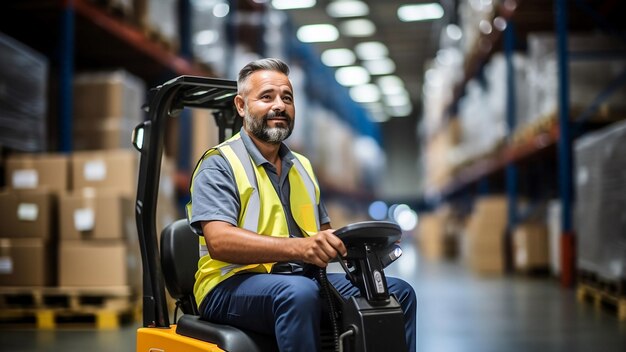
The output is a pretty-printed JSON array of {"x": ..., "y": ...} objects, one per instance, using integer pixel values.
[{"x": 327, "y": 296}]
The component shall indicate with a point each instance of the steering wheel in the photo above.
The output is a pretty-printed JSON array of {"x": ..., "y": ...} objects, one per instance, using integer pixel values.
[
  {"x": 363, "y": 237},
  {"x": 373, "y": 233}
]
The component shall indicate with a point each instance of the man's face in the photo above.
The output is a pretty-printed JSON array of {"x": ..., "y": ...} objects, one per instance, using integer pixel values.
[{"x": 268, "y": 107}]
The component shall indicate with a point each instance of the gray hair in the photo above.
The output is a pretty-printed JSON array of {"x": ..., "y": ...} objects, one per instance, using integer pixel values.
[{"x": 269, "y": 64}]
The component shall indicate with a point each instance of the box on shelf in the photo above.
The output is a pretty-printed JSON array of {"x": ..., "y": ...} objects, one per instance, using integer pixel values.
[
  {"x": 98, "y": 264},
  {"x": 530, "y": 247},
  {"x": 28, "y": 214},
  {"x": 26, "y": 262},
  {"x": 113, "y": 170},
  {"x": 113, "y": 94},
  {"x": 554, "y": 235},
  {"x": 94, "y": 216},
  {"x": 159, "y": 18},
  {"x": 38, "y": 171},
  {"x": 587, "y": 78},
  {"x": 107, "y": 106},
  {"x": 204, "y": 133},
  {"x": 485, "y": 235},
  {"x": 166, "y": 211},
  {"x": 436, "y": 234},
  {"x": 107, "y": 133}
]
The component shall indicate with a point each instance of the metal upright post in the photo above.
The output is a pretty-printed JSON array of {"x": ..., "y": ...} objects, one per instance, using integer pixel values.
[
  {"x": 184, "y": 120},
  {"x": 511, "y": 103},
  {"x": 565, "y": 149},
  {"x": 66, "y": 76}
]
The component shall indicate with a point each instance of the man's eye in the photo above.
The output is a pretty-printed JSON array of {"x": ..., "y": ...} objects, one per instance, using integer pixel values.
[{"x": 287, "y": 98}]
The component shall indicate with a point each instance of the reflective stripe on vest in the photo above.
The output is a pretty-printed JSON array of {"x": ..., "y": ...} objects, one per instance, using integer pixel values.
[{"x": 267, "y": 217}]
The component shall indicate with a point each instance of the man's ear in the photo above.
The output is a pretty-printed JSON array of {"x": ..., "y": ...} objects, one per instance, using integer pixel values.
[{"x": 240, "y": 105}]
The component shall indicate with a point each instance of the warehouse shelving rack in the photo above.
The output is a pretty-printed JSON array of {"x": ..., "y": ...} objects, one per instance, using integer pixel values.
[
  {"x": 79, "y": 33},
  {"x": 553, "y": 142}
]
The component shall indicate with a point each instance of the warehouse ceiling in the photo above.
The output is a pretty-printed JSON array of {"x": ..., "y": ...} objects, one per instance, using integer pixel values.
[{"x": 410, "y": 44}]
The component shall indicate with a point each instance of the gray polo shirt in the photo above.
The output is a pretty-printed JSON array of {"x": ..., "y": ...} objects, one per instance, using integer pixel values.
[{"x": 215, "y": 195}]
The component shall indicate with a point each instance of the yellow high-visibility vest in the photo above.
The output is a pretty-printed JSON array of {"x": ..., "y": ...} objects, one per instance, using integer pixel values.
[{"x": 261, "y": 209}]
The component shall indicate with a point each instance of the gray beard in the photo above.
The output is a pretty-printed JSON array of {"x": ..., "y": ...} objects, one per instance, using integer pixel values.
[{"x": 259, "y": 128}]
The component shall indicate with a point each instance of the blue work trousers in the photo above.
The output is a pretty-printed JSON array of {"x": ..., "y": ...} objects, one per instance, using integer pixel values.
[{"x": 290, "y": 306}]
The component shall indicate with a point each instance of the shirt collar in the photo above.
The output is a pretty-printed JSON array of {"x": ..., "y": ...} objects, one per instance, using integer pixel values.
[{"x": 284, "y": 152}]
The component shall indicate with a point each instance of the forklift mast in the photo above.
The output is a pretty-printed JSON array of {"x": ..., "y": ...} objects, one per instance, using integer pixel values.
[{"x": 168, "y": 101}]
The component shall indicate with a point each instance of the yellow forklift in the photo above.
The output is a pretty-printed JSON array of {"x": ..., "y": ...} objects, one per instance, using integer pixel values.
[{"x": 372, "y": 321}]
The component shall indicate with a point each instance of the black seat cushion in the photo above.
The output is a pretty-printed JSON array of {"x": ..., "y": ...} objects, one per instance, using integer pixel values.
[
  {"x": 179, "y": 260},
  {"x": 225, "y": 337}
]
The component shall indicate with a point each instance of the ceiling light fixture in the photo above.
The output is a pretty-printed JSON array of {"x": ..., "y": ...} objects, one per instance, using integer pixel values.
[
  {"x": 399, "y": 111},
  {"x": 371, "y": 50},
  {"x": 420, "y": 12},
  {"x": 391, "y": 84},
  {"x": 352, "y": 76},
  {"x": 338, "y": 57},
  {"x": 221, "y": 10},
  {"x": 347, "y": 8},
  {"x": 206, "y": 37},
  {"x": 366, "y": 93},
  {"x": 292, "y": 4},
  {"x": 383, "y": 66},
  {"x": 358, "y": 28},
  {"x": 314, "y": 33},
  {"x": 400, "y": 99},
  {"x": 454, "y": 32}
]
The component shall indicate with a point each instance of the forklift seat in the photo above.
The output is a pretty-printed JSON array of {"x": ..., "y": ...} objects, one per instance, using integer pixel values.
[{"x": 179, "y": 262}]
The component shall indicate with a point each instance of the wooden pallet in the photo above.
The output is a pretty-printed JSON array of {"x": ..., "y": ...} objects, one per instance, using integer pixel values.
[
  {"x": 114, "y": 297},
  {"x": 601, "y": 299},
  {"x": 613, "y": 286},
  {"x": 47, "y": 319},
  {"x": 52, "y": 307}
]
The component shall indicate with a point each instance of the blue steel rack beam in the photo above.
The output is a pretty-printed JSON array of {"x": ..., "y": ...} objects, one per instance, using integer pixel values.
[
  {"x": 565, "y": 150},
  {"x": 66, "y": 76},
  {"x": 511, "y": 168}
]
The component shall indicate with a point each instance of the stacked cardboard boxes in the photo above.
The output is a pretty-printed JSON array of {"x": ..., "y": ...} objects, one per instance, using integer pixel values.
[
  {"x": 107, "y": 106},
  {"x": 98, "y": 242},
  {"x": 68, "y": 221},
  {"x": 28, "y": 206}
]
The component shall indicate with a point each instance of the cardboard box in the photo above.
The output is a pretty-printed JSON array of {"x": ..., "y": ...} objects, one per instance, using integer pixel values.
[
  {"x": 530, "y": 247},
  {"x": 96, "y": 264},
  {"x": 114, "y": 94},
  {"x": 438, "y": 232},
  {"x": 167, "y": 210},
  {"x": 112, "y": 170},
  {"x": 204, "y": 134},
  {"x": 94, "y": 216},
  {"x": 107, "y": 133},
  {"x": 26, "y": 262},
  {"x": 28, "y": 214},
  {"x": 485, "y": 235},
  {"x": 38, "y": 171}
]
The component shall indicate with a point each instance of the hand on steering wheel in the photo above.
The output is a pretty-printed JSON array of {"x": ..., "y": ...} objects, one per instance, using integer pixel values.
[{"x": 322, "y": 248}]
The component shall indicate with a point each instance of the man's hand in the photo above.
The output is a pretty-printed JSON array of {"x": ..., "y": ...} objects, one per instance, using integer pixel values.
[{"x": 322, "y": 248}]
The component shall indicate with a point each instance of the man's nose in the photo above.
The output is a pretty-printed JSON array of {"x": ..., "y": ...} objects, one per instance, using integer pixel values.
[{"x": 279, "y": 104}]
